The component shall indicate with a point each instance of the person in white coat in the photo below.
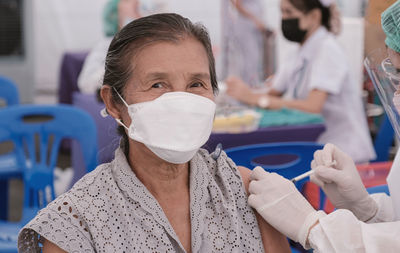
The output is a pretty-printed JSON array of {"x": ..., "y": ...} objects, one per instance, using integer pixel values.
[
  {"x": 317, "y": 79},
  {"x": 116, "y": 14},
  {"x": 362, "y": 222},
  {"x": 242, "y": 39}
]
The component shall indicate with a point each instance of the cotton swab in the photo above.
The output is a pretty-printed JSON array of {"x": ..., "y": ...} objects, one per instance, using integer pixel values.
[
  {"x": 309, "y": 173},
  {"x": 304, "y": 175}
]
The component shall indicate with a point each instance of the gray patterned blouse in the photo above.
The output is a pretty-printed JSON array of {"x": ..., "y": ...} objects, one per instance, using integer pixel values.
[{"x": 110, "y": 210}]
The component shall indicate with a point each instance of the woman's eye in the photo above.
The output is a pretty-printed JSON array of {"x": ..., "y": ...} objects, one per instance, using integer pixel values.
[
  {"x": 157, "y": 85},
  {"x": 196, "y": 85}
]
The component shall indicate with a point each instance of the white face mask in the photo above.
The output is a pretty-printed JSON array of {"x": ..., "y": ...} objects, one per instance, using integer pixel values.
[{"x": 173, "y": 126}]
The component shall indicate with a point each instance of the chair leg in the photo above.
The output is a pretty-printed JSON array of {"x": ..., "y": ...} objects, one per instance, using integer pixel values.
[
  {"x": 322, "y": 199},
  {"x": 4, "y": 199}
]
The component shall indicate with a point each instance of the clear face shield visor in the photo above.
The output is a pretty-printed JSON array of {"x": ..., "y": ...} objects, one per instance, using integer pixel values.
[{"x": 386, "y": 80}]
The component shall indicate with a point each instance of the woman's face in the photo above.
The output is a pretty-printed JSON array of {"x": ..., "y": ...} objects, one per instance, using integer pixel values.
[
  {"x": 167, "y": 67},
  {"x": 289, "y": 11}
]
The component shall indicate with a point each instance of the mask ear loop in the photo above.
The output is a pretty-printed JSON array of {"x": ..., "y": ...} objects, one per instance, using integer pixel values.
[
  {"x": 123, "y": 100},
  {"x": 119, "y": 121}
]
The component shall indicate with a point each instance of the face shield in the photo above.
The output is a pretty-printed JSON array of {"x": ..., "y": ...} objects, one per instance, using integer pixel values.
[{"x": 386, "y": 79}]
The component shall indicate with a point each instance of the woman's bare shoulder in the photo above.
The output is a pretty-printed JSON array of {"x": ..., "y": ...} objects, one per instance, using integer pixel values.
[
  {"x": 273, "y": 240},
  {"x": 51, "y": 247},
  {"x": 245, "y": 173}
]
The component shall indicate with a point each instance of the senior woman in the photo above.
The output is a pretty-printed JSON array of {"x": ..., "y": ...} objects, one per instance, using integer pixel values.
[{"x": 161, "y": 193}]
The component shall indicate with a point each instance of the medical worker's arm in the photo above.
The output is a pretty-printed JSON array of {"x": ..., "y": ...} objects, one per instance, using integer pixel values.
[
  {"x": 282, "y": 206},
  {"x": 336, "y": 174},
  {"x": 277, "y": 200},
  {"x": 314, "y": 102},
  {"x": 239, "y": 90},
  {"x": 341, "y": 231}
]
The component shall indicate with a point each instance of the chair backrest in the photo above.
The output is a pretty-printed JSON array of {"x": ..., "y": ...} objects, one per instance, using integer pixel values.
[
  {"x": 288, "y": 159},
  {"x": 8, "y": 91},
  {"x": 379, "y": 189},
  {"x": 37, "y": 141},
  {"x": 383, "y": 140}
]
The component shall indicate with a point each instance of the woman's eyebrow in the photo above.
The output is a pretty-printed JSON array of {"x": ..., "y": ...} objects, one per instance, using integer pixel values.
[
  {"x": 163, "y": 75},
  {"x": 200, "y": 75},
  {"x": 156, "y": 75}
]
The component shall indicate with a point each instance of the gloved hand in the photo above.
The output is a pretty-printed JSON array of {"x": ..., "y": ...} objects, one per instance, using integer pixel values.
[
  {"x": 336, "y": 174},
  {"x": 277, "y": 200}
]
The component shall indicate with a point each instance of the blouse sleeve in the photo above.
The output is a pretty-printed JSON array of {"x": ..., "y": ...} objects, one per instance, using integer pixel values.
[
  {"x": 279, "y": 83},
  {"x": 58, "y": 223},
  {"x": 329, "y": 69}
]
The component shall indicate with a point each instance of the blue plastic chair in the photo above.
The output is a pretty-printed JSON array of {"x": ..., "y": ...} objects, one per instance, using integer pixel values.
[
  {"x": 379, "y": 189},
  {"x": 383, "y": 140},
  {"x": 36, "y": 146},
  {"x": 8, "y": 91},
  {"x": 38, "y": 192},
  {"x": 288, "y": 159}
]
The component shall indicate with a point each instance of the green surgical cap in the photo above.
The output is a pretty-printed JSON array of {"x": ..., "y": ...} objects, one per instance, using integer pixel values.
[
  {"x": 110, "y": 18},
  {"x": 391, "y": 26}
]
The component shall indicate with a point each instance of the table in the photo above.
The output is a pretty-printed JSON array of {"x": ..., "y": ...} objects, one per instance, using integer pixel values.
[{"x": 309, "y": 132}]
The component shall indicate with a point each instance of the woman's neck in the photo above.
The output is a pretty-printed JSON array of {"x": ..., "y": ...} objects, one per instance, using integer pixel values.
[
  {"x": 310, "y": 33},
  {"x": 159, "y": 177}
]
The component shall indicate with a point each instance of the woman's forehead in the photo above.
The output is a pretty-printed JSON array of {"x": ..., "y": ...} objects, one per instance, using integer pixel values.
[
  {"x": 287, "y": 6},
  {"x": 185, "y": 55}
]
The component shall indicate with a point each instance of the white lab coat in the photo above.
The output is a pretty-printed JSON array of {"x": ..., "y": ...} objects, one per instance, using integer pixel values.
[
  {"x": 242, "y": 43},
  {"x": 341, "y": 231},
  {"x": 321, "y": 64},
  {"x": 91, "y": 77}
]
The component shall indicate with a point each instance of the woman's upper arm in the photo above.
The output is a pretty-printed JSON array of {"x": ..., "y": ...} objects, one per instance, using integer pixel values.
[
  {"x": 51, "y": 247},
  {"x": 274, "y": 92},
  {"x": 272, "y": 239},
  {"x": 317, "y": 99},
  {"x": 330, "y": 69}
]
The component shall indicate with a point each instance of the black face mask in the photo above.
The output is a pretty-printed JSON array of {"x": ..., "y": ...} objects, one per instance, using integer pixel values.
[{"x": 292, "y": 31}]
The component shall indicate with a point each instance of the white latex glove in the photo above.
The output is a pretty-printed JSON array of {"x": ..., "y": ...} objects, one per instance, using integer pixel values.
[
  {"x": 277, "y": 200},
  {"x": 336, "y": 174}
]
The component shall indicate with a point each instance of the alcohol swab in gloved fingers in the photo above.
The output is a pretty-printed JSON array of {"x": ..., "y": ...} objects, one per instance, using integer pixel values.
[{"x": 309, "y": 173}]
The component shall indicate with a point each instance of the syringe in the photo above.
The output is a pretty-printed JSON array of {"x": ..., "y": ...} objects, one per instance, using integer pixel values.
[{"x": 309, "y": 173}]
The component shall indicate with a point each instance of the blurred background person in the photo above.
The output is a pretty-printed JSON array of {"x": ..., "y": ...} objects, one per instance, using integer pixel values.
[
  {"x": 117, "y": 13},
  {"x": 242, "y": 40},
  {"x": 317, "y": 79}
]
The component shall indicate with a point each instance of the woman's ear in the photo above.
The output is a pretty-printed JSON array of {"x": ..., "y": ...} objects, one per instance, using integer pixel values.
[
  {"x": 113, "y": 109},
  {"x": 315, "y": 17},
  {"x": 312, "y": 19}
]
